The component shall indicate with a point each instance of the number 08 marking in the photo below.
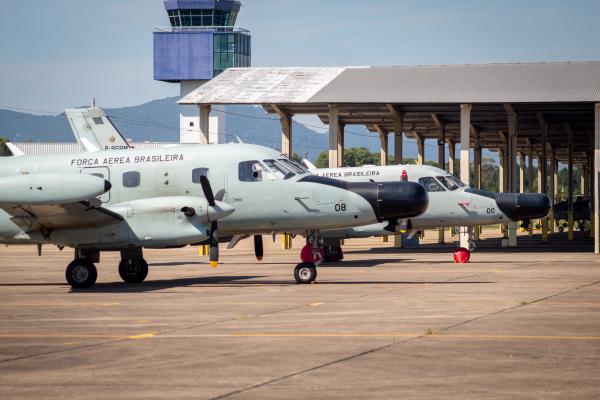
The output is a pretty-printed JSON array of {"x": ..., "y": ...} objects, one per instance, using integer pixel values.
[{"x": 340, "y": 207}]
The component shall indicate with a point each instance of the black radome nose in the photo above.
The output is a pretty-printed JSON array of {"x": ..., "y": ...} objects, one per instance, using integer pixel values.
[
  {"x": 520, "y": 206},
  {"x": 401, "y": 199}
]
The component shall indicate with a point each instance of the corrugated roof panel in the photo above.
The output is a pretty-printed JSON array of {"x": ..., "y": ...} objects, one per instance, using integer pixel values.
[
  {"x": 484, "y": 83},
  {"x": 471, "y": 83},
  {"x": 263, "y": 86}
]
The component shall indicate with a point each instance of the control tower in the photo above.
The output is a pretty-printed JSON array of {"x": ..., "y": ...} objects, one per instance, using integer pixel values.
[{"x": 201, "y": 42}]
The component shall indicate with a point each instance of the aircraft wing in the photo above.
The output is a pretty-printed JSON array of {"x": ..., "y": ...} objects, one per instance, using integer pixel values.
[{"x": 44, "y": 217}]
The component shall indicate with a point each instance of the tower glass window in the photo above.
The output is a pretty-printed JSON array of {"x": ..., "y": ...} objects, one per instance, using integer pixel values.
[
  {"x": 230, "y": 50},
  {"x": 198, "y": 18}
]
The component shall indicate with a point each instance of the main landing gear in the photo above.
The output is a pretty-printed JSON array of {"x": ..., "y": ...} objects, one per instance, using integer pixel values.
[
  {"x": 81, "y": 273},
  {"x": 312, "y": 257}
]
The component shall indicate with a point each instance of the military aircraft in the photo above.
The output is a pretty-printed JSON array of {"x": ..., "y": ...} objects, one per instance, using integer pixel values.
[
  {"x": 127, "y": 200},
  {"x": 451, "y": 202}
]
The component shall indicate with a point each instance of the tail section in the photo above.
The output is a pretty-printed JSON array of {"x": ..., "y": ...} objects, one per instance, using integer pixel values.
[{"x": 94, "y": 130}]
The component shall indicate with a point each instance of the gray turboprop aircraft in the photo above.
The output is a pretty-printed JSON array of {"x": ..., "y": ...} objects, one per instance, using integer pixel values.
[
  {"x": 127, "y": 200},
  {"x": 451, "y": 202}
]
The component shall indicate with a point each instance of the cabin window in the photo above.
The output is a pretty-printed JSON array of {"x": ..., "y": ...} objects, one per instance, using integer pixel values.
[
  {"x": 197, "y": 173},
  {"x": 293, "y": 165},
  {"x": 98, "y": 120},
  {"x": 250, "y": 171},
  {"x": 131, "y": 179},
  {"x": 431, "y": 184}
]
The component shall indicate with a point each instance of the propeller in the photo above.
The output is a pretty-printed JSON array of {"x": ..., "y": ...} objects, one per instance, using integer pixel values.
[
  {"x": 258, "y": 247},
  {"x": 214, "y": 228}
]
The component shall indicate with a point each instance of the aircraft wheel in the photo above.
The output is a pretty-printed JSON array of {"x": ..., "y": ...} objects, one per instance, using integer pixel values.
[
  {"x": 305, "y": 272},
  {"x": 81, "y": 274},
  {"x": 133, "y": 271}
]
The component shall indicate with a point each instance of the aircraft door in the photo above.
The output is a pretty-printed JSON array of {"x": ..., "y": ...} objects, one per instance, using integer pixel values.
[{"x": 101, "y": 172}]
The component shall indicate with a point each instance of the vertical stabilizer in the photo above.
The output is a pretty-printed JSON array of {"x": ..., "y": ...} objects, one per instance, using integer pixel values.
[{"x": 93, "y": 129}]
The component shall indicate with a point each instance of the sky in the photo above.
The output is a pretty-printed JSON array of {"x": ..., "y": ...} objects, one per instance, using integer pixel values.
[{"x": 62, "y": 53}]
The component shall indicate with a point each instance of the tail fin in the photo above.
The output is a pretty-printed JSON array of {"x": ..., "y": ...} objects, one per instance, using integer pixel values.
[{"x": 94, "y": 130}]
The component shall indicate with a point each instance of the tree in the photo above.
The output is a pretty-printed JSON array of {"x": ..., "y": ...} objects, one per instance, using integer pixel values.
[
  {"x": 3, "y": 149},
  {"x": 353, "y": 157}
]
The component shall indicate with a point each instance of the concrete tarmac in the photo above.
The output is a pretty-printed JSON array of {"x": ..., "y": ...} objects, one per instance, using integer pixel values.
[{"x": 384, "y": 323}]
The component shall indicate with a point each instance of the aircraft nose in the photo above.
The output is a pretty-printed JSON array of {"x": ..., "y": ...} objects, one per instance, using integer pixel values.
[
  {"x": 520, "y": 206},
  {"x": 401, "y": 199}
]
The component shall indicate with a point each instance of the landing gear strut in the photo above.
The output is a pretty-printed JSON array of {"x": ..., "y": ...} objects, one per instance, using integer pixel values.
[
  {"x": 81, "y": 273},
  {"x": 133, "y": 268},
  {"x": 306, "y": 271}
]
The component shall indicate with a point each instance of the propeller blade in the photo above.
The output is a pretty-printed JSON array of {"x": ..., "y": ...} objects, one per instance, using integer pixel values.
[
  {"x": 208, "y": 193},
  {"x": 213, "y": 253},
  {"x": 258, "y": 247}
]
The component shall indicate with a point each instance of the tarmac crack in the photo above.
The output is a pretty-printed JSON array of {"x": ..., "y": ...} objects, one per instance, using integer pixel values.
[{"x": 389, "y": 345}]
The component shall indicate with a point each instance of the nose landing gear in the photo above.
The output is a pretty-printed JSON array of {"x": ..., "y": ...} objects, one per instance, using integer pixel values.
[{"x": 312, "y": 257}]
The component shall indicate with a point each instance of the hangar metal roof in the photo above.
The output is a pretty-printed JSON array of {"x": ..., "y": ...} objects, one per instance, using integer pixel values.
[
  {"x": 470, "y": 83},
  {"x": 428, "y": 98}
]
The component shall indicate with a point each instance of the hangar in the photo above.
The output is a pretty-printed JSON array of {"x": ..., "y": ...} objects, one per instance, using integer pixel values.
[{"x": 546, "y": 111}]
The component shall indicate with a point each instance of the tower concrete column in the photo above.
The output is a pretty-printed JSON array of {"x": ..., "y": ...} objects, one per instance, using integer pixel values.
[
  {"x": 333, "y": 135},
  {"x": 204, "y": 119},
  {"x": 465, "y": 160}
]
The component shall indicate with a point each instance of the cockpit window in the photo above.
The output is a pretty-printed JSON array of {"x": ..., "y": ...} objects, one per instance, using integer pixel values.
[
  {"x": 250, "y": 171},
  {"x": 431, "y": 184},
  {"x": 280, "y": 169},
  {"x": 450, "y": 182},
  {"x": 297, "y": 168}
]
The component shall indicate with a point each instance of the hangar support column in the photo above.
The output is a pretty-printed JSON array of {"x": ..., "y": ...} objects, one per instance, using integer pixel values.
[
  {"x": 465, "y": 159},
  {"x": 341, "y": 138},
  {"x": 476, "y": 171},
  {"x": 204, "y": 110},
  {"x": 383, "y": 147},
  {"x": 285, "y": 118},
  {"x": 334, "y": 123},
  {"x": 512, "y": 166},
  {"x": 596, "y": 174},
  {"x": 398, "y": 135},
  {"x": 521, "y": 172},
  {"x": 529, "y": 180},
  {"x": 420, "y": 149},
  {"x": 553, "y": 187},
  {"x": 441, "y": 164},
  {"x": 570, "y": 181},
  {"x": 451, "y": 156}
]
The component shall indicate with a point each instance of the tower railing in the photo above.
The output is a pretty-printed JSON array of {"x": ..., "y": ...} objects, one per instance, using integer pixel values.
[{"x": 201, "y": 29}]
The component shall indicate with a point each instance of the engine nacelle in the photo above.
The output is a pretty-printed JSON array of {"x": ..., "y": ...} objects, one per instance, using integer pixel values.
[
  {"x": 31, "y": 189},
  {"x": 170, "y": 221}
]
